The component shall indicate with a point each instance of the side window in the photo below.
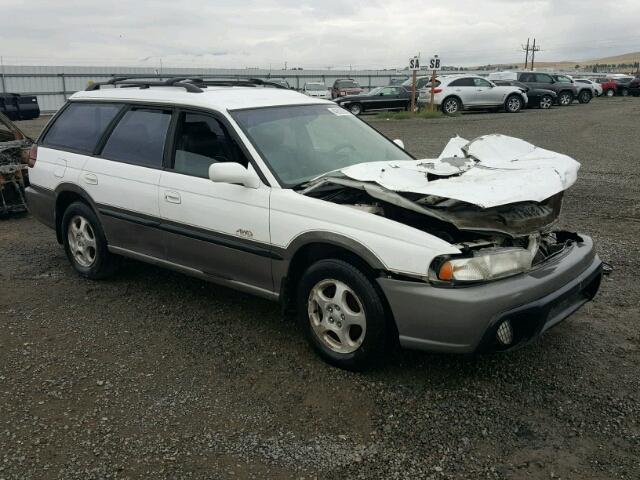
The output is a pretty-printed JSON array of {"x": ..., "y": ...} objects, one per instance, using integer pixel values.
[
  {"x": 80, "y": 126},
  {"x": 527, "y": 77},
  {"x": 139, "y": 137},
  {"x": 200, "y": 141},
  {"x": 462, "y": 82},
  {"x": 389, "y": 91},
  {"x": 543, "y": 78},
  {"x": 481, "y": 82}
]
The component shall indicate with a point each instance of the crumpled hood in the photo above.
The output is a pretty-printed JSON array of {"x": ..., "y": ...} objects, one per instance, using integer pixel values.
[{"x": 489, "y": 171}]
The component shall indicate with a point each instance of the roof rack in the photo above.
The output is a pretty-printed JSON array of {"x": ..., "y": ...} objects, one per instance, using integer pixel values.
[
  {"x": 190, "y": 84},
  {"x": 132, "y": 82}
]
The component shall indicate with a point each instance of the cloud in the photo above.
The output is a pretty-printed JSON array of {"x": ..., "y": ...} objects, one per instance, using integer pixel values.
[{"x": 363, "y": 34}]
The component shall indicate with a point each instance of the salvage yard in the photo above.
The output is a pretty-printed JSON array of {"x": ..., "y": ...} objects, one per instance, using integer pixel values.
[{"x": 153, "y": 374}]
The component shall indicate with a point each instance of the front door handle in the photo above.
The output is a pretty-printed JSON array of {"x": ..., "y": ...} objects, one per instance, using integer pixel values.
[
  {"x": 172, "y": 197},
  {"x": 90, "y": 178}
]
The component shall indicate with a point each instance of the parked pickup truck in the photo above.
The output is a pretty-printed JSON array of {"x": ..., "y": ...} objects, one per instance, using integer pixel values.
[{"x": 19, "y": 107}]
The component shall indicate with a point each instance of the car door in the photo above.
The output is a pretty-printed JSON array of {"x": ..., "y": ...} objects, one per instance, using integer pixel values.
[
  {"x": 390, "y": 98},
  {"x": 486, "y": 94},
  {"x": 123, "y": 179},
  {"x": 219, "y": 229},
  {"x": 465, "y": 89},
  {"x": 546, "y": 81}
]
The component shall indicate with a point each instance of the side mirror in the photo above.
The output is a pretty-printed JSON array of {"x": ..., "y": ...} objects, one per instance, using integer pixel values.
[
  {"x": 399, "y": 142},
  {"x": 232, "y": 172}
]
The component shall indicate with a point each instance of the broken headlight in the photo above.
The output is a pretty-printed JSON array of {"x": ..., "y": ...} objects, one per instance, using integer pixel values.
[{"x": 485, "y": 264}]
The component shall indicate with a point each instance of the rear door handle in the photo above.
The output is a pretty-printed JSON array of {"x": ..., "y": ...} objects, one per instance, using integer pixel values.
[
  {"x": 172, "y": 197},
  {"x": 90, "y": 178}
]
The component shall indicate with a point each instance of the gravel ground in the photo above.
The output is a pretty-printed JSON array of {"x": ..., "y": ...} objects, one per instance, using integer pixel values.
[{"x": 157, "y": 375}]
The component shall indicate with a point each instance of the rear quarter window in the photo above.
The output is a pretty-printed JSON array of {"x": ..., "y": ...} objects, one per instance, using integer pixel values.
[
  {"x": 80, "y": 126},
  {"x": 139, "y": 137}
]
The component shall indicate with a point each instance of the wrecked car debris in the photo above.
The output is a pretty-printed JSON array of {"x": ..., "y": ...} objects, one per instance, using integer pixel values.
[
  {"x": 493, "y": 184},
  {"x": 14, "y": 146}
]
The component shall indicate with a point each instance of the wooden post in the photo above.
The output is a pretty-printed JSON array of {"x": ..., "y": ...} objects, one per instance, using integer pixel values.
[
  {"x": 433, "y": 81},
  {"x": 413, "y": 91}
]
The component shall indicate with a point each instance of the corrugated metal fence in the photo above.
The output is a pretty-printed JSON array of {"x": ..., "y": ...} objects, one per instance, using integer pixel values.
[{"x": 53, "y": 85}]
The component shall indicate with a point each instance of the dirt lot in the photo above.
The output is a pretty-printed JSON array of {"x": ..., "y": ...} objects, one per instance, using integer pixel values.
[{"x": 158, "y": 375}]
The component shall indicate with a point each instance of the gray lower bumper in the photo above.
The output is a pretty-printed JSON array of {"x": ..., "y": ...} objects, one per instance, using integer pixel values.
[
  {"x": 464, "y": 319},
  {"x": 41, "y": 203}
]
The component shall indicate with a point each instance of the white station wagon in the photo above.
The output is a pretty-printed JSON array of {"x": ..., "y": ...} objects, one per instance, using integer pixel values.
[{"x": 295, "y": 199}]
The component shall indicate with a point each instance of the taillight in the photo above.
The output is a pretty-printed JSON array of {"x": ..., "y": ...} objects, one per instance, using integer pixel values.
[
  {"x": 33, "y": 155},
  {"x": 437, "y": 90}
]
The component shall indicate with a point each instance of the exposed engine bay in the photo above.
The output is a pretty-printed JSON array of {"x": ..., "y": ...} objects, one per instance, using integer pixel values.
[
  {"x": 494, "y": 191},
  {"x": 14, "y": 146}
]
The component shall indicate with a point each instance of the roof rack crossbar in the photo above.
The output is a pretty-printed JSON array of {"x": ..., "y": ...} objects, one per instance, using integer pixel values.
[{"x": 126, "y": 82}]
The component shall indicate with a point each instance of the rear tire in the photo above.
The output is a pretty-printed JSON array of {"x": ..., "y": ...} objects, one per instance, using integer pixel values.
[
  {"x": 565, "y": 99},
  {"x": 513, "y": 104},
  {"x": 610, "y": 92},
  {"x": 85, "y": 243},
  {"x": 342, "y": 314},
  {"x": 355, "y": 109},
  {"x": 451, "y": 106},
  {"x": 546, "y": 102},
  {"x": 584, "y": 96}
]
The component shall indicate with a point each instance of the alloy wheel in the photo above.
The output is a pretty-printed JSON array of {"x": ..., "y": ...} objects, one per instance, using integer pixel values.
[
  {"x": 565, "y": 99},
  {"x": 356, "y": 109},
  {"x": 546, "y": 102},
  {"x": 451, "y": 106},
  {"x": 337, "y": 316},
  {"x": 514, "y": 104},
  {"x": 82, "y": 241}
]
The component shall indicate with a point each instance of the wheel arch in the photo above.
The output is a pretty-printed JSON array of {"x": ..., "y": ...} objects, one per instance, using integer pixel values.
[
  {"x": 310, "y": 247},
  {"x": 66, "y": 194}
]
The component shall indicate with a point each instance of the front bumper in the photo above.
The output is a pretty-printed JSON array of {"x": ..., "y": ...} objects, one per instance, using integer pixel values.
[{"x": 465, "y": 319}]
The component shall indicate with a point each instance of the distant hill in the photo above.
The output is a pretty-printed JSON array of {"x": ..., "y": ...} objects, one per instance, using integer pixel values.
[{"x": 628, "y": 59}]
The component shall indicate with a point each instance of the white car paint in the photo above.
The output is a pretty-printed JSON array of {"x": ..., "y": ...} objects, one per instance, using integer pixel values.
[
  {"x": 493, "y": 170},
  {"x": 317, "y": 90},
  {"x": 483, "y": 93}
]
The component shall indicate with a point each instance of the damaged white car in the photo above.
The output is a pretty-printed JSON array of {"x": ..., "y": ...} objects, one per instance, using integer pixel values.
[{"x": 295, "y": 199}]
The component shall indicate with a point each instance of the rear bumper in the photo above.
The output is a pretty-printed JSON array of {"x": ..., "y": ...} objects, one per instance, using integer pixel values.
[
  {"x": 465, "y": 320},
  {"x": 41, "y": 203}
]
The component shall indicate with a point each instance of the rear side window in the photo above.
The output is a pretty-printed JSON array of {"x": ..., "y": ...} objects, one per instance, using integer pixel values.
[
  {"x": 527, "y": 77},
  {"x": 80, "y": 126},
  {"x": 139, "y": 137},
  {"x": 543, "y": 78},
  {"x": 462, "y": 82}
]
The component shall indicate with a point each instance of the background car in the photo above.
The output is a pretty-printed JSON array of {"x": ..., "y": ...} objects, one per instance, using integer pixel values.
[
  {"x": 380, "y": 98},
  {"x": 622, "y": 83},
  {"x": 566, "y": 92},
  {"x": 280, "y": 81},
  {"x": 421, "y": 82},
  {"x": 634, "y": 87},
  {"x": 465, "y": 92},
  {"x": 584, "y": 92},
  {"x": 345, "y": 86},
  {"x": 596, "y": 88},
  {"x": 609, "y": 86},
  {"x": 537, "y": 97},
  {"x": 19, "y": 107},
  {"x": 316, "y": 89}
]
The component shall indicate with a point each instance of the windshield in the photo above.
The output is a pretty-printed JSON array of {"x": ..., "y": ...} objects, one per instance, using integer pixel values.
[
  {"x": 301, "y": 142},
  {"x": 314, "y": 87},
  {"x": 347, "y": 84}
]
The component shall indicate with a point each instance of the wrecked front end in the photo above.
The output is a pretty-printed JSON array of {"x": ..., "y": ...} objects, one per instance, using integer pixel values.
[
  {"x": 497, "y": 200},
  {"x": 14, "y": 148}
]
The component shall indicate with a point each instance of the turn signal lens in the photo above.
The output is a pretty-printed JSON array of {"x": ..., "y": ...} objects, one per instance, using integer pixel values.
[{"x": 446, "y": 271}]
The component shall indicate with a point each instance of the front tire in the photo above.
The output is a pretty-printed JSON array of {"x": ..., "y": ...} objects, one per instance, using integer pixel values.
[
  {"x": 342, "y": 314},
  {"x": 451, "y": 106},
  {"x": 584, "y": 96},
  {"x": 513, "y": 104},
  {"x": 565, "y": 99},
  {"x": 624, "y": 92},
  {"x": 610, "y": 92},
  {"x": 85, "y": 243}
]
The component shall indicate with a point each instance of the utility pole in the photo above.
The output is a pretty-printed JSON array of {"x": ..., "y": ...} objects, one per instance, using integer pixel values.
[
  {"x": 526, "y": 55},
  {"x": 534, "y": 49},
  {"x": 4, "y": 87}
]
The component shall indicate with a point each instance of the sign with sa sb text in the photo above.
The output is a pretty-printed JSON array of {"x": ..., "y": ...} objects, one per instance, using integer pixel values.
[
  {"x": 414, "y": 64},
  {"x": 434, "y": 63}
]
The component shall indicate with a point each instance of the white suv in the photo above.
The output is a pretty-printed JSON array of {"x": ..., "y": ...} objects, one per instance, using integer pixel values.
[
  {"x": 454, "y": 93},
  {"x": 295, "y": 199}
]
